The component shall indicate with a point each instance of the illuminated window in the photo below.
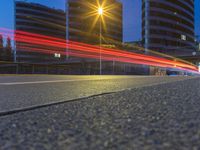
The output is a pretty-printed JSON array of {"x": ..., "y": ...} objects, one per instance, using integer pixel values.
[
  {"x": 183, "y": 37},
  {"x": 56, "y": 55}
]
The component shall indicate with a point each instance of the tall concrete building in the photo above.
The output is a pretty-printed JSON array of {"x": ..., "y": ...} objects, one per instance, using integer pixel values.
[
  {"x": 84, "y": 24},
  {"x": 39, "y": 19},
  {"x": 168, "y": 26},
  {"x": 197, "y": 43}
]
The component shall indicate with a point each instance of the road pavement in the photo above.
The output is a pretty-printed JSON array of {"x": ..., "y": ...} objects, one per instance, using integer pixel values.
[
  {"x": 24, "y": 92},
  {"x": 141, "y": 116}
]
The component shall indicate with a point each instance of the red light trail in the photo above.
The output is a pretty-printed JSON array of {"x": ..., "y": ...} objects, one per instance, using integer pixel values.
[{"x": 88, "y": 51}]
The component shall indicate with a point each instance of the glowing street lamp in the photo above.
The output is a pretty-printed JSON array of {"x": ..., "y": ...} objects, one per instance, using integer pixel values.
[{"x": 100, "y": 11}]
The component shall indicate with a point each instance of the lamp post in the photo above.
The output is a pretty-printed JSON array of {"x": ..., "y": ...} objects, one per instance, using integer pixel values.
[
  {"x": 15, "y": 50},
  {"x": 100, "y": 12},
  {"x": 67, "y": 29}
]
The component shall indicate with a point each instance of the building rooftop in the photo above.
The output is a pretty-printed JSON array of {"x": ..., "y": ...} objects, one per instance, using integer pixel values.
[{"x": 40, "y": 5}]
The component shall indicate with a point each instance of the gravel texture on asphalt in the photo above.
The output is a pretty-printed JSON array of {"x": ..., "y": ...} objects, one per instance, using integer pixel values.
[{"x": 165, "y": 116}]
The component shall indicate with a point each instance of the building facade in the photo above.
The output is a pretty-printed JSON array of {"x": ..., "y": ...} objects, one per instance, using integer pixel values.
[
  {"x": 84, "y": 23},
  {"x": 39, "y": 19},
  {"x": 168, "y": 26},
  {"x": 197, "y": 43}
]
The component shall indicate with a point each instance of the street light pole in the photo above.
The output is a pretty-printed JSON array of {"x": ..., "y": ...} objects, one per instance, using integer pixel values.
[
  {"x": 100, "y": 42},
  {"x": 100, "y": 12},
  {"x": 67, "y": 30},
  {"x": 15, "y": 49}
]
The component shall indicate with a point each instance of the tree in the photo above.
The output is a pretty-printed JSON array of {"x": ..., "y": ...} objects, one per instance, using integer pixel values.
[
  {"x": 8, "y": 52},
  {"x": 1, "y": 47}
]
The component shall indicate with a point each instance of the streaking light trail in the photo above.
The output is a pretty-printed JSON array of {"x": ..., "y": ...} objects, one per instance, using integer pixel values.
[{"x": 49, "y": 45}]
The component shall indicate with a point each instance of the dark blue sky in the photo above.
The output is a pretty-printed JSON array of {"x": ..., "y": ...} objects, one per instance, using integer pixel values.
[{"x": 132, "y": 15}]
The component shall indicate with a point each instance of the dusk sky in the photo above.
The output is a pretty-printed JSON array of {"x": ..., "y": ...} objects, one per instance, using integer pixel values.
[{"x": 132, "y": 15}]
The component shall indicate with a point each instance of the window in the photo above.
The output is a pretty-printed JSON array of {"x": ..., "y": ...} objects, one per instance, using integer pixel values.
[{"x": 183, "y": 37}]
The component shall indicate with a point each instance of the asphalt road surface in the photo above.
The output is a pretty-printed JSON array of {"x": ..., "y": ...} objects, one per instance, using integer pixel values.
[
  {"x": 24, "y": 92},
  {"x": 148, "y": 113}
]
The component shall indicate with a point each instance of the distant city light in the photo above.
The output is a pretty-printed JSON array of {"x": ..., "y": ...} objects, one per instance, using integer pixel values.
[{"x": 199, "y": 67}]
